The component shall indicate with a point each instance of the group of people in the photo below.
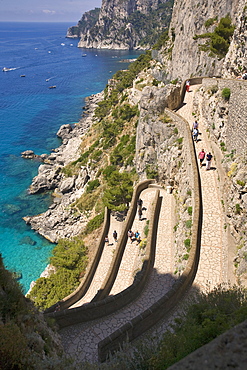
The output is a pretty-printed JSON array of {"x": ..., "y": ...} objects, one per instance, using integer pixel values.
[
  {"x": 134, "y": 236},
  {"x": 195, "y": 131},
  {"x": 114, "y": 234},
  {"x": 202, "y": 155}
]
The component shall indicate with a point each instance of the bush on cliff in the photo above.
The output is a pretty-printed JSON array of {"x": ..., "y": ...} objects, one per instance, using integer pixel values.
[
  {"x": 70, "y": 259},
  {"x": 26, "y": 340},
  {"x": 218, "y": 42}
]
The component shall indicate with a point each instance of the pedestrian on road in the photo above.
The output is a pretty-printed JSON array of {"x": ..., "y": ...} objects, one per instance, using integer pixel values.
[
  {"x": 195, "y": 125},
  {"x": 130, "y": 234},
  {"x": 201, "y": 156},
  {"x": 208, "y": 161},
  {"x": 140, "y": 202},
  {"x": 195, "y": 134},
  {"x": 140, "y": 214},
  {"x": 187, "y": 85},
  {"x": 106, "y": 240},
  {"x": 114, "y": 236},
  {"x": 137, "y": 236}
]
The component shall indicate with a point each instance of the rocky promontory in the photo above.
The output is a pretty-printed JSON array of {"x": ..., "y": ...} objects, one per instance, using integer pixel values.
[{"x": 59, "y": 221}]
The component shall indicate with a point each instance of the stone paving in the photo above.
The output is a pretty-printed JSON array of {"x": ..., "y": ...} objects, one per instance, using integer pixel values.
[
  {"x": 212, "y": 268},
  {"x": 80, "y": 341},
  {"x": 130, "y": 258}
]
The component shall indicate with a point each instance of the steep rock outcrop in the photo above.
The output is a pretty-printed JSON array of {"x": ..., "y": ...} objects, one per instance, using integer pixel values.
[
  {"x": 182, "y": 57},
  {"x": 124, "y": 24}
]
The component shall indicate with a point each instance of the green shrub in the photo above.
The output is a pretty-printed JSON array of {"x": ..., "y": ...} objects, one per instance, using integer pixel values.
[
  {"x": 241, "y": 183},
  {"x": 94, "y": 224},
  {"x": 188, "y": 224},
  {"x": 155, "y": 82},
  {"x": 218, "y": 41},
  {"x": 209, "y": 22},
  {"x": 152, "y": 171},
  {"x": 238, "y": 209},
  {"x": 91, "y": 185},
  {"x": 205, "y": 318},
  {"x": 118, "y": 192},
  {"x": 226, "y": 93},
  {"x": 70, "y": 259},
  {"x": 189, "y": 210},
  {"x": 187, "y": 244}
]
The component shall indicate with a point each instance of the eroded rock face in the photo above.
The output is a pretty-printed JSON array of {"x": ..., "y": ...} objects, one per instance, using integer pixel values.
[
  {"x": 182, "y": 58},
  {"x": 60, "y": 220},
  {"x": 115, "y": 26}
]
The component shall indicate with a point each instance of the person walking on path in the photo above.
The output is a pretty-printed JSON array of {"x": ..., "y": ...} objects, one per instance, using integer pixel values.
[
  {"x": 195, "y": 125},
  {"x": 106, "y": 240},
  {"x": 140, "y": 202},
  {"x": 140, "y": 213},
  {"x": 114, "y": 236},
  {"x": 201, "y": 156},
  {"x": 187, "y": 85},
  {"x": 208, "y": 161},
  {"x": 130, "y": 234},
  {"x": 195, "y": 134}
]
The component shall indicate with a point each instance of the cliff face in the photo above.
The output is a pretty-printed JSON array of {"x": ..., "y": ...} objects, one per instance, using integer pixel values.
[
  {"x": 124, "y": 24},
  {"x": 182, "y": 56}
]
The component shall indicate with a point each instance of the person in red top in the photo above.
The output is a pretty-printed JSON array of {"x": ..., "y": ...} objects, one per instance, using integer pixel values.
[{"x": 201, "y": 156}]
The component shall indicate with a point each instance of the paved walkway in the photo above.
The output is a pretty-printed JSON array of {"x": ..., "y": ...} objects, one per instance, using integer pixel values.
[
  {"x": 80, "y": 341},
  {"x": 212, "y": 268},
  {"x": 131, "y": 258}
]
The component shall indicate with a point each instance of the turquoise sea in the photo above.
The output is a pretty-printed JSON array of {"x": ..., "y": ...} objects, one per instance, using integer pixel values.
[{"x": 30, "y": 116}]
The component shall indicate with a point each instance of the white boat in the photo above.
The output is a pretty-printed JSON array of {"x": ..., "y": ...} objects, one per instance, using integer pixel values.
[
  {"x": 52, "y": 87},
  {"x": 5, "y": 69}
]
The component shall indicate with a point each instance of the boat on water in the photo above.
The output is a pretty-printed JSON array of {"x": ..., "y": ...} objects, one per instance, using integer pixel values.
[
  {"x": 5, "y": 69},
  {"x": 52, "y": 87},
  {"x": 84, "y": 55},
  {"x": 22, "y": 75}
]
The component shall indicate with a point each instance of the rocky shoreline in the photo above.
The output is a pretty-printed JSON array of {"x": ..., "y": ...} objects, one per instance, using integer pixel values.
[{"x": 59, "y": 221}]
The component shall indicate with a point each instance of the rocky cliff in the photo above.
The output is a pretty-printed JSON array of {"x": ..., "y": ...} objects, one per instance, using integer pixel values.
[
  {"x": 183, "y": 56},
  {"x": 123, "y": 24}
]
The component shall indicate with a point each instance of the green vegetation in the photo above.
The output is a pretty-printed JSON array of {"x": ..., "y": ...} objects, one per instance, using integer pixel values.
[
  {"x": 161, "y": 40},
  {"x": 152, "y": 171},
  {"x": 205, "y": 318},
  {"x": 238, "y": 209},
  {"x": 226, "y": 93},
  {"x": 94, "y": 223},
  {"x": 209, "y": 22},
  {"x": 218, "y": 41},
  {"x": 70, "y": 260},
  {"x": 188, "y": 224},
  {"x": 118, "y": 192},
  {"x": 189, "y": 210},
  {"x": 26, "y": 340},
  {"x": 187, "y": 244},
  {"x": 241, "y": 183}
]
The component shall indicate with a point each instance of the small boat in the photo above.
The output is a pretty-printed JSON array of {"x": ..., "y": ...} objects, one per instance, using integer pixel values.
[
  {"x": 62, "y": 44},
  {"x": 52, "y": 87},
  {"x": 22, "y": 75},
  {"x": 84, "y": 55},
  {"x": 5, "y": 69}
]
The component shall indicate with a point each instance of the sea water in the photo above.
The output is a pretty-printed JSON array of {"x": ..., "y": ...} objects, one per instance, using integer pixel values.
[{"x": 39, "y": 56}]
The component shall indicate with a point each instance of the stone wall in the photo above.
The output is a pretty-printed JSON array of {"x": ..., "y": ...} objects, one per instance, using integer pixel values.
[{"x": 236, "y": 125}]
